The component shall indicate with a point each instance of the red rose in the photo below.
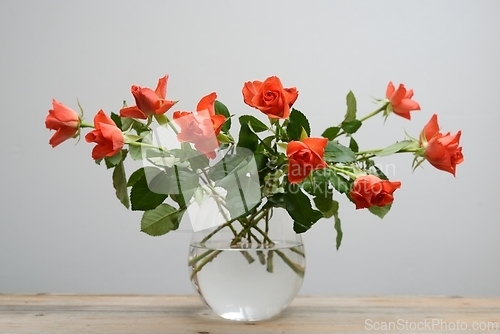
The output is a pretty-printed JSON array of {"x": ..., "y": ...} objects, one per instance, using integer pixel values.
[
  {"x": 369, "y": 190},
  {"x": 107, "y": 136},
  {"x": 401, "y": 101},
  {"x": 148, "y": 102},
  {"x": 202, "y": 128},
  {"x": 270, "y": 97},
  {"x": 441, "y": 150},
  {"x": 304, "y": 157},
  {"x": 62, "y": 119}
]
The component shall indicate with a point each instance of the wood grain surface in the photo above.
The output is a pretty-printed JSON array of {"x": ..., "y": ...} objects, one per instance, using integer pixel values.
[{"x": 47, "y": 313}]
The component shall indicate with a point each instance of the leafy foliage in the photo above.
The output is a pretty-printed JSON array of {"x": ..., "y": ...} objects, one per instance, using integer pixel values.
[
  {"x": 331, "y": 132},
  {"x": 336, "y": 152},
  {"x": 352, "y": 107},
  {"x": 120, "y": 183},
  {"x": 221, "y": 109},
  {"x": 247, "y": 139},
  {"x": 299, "y": 208},
  {"x": 380, "y": 211},
  {"x": 161, "y": 220},
  {"x": 141, "y": 195},
  {"x": 297, "y": 122},
  {"x": 185, "y": 174}
]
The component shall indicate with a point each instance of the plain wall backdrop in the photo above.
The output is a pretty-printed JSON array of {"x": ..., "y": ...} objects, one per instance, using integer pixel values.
[{"x": 63, "y": 230}]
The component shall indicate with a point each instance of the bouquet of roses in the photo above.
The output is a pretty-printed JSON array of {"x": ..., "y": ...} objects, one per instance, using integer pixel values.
[{"x": 192, "y": 162}]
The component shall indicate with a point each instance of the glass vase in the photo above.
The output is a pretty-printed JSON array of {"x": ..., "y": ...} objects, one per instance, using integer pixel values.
[{"x": 249, "y": 269}]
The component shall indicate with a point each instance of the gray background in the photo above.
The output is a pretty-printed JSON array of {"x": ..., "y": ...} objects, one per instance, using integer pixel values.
[{"x": 62, "y": 230}]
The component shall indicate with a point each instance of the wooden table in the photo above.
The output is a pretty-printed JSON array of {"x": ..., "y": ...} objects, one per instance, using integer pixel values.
[{"x": 67, "y": 314}]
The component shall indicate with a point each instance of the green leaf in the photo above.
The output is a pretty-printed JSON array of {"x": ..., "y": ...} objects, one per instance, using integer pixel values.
[
  {"x": 335, "y": 152},
  {"x": 254, "y": 123},
  {"x": 161, "y": 119},
  {"x": 120, "y": 184},
  {"x": 131, "y": 138},
  {"x": 326, "y": 204},
  {"x": 161, "y": 220},
  {"x": 196, "y": 159},
  {"x": 276, "y": 201},
  {"x": 297, "y": 122},
  {"x": 117, "y": 119},
  {"x": 265, "y": 145},
  {"x": 130, "y": 123},
  {"x": 247, "y": 138},
  {"x": 135, "y": 177},
  {"x": 114, "y": 160},
  {"x": 226, "y": 169},
  {"x": 261, "y": 160},
  {"x": 243, "y": 194},
  {"x": 341, "y": 184},
  {"x": 331, "y": 132},
  {"x": 299, "y": 208},
  {"x": 141, "y": 196},
  {"x": 353, "y": 145},
  {"x": 396, "y": 147},
  {"x": 182, "y": 183},
  {"x": 351, "y": 126},
  {"x": 374, "y": 170},
  {"x": 221, "y": 109},
  {"x": 126, "y": 123},
  {"x": 224, "y": 139},
  {"x": 380, "y": 211},
  {"x": 140, "y": 173},
  {"x": 322, "y": 192},
  {"x": 350, "y": 114},
  {"x": 135, "y": 152},
  {"x": 319, "y": 184},
  {"x": 338, "y": 228}
]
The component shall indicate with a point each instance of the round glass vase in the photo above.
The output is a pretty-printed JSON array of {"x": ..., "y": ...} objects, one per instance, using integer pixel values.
[{"x": 249, "y": 269}]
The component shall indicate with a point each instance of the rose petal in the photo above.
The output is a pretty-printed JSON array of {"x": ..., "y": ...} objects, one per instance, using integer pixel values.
[
  {"x": 390, "y": 90},
  {"x": 64, "y": 113},
  {"x": 207, "y": 103},
  {"x": 64, "y": 133},
  {"x": 431, "y": 128},
  {"x": 132, "y": 112},
  {"x": 161, "y": 87}
]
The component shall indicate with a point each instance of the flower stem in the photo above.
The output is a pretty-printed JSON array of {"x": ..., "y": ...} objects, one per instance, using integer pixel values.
[
  {"x": 298, "y": 251},
  {"x": 169, "y": 122},
  {"x": 84, "y": 124},
  {"x": 270, "y": 266},
  {"x": 211, "y": 234},
  {"x": 341, "y": 170},
  {"x": 248, "y": 224},
  {"x": 135, "y": 143},
  {"x": 373, "y": 113},
  {"x": 364, "y": 118},
  {"x": 199, "y": 257},
  {"x": 299, "y": 270},
  {"x": 205, "y": 261}
]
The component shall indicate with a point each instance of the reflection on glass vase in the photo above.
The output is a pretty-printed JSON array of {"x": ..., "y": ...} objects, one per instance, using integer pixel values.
[{"x": 249, "y": 269}]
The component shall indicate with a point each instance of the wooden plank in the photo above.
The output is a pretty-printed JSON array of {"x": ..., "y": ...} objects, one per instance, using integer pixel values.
[{"x": 185, "y": 314}]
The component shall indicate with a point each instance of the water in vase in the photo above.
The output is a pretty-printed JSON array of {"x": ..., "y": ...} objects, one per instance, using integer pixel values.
[{"x": 250, "y": 283}]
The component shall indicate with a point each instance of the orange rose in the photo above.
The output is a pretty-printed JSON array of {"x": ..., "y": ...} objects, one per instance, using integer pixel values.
[
  {"x": 304, "y": 157},
  {"x": 270, "y": 97},
  {"x": 202, "y": 128},
  {"x": 107, "y": 136},
  {"x": 401, "y": 101},
  {"x": 369, "y": 190},
  {"x": 441, "y": 150},
  {"x": 148, "y": 102},
  {"x": 62, "y": 119}
]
